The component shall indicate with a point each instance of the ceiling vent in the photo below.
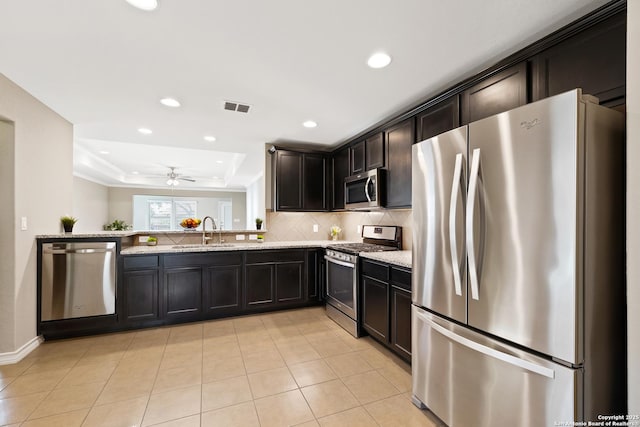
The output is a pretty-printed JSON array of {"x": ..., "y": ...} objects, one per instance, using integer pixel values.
[{"x": 236, "y": 106}]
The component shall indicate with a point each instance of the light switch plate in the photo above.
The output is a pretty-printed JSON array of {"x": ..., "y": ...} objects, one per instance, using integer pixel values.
[
  {"x": 359, "y": 229},
  {"x": 23, "y": 223},
  {"x": 239, "y": 236},
  {"x": 253, "y": 237},
  {"x": 315, "y": 228}
]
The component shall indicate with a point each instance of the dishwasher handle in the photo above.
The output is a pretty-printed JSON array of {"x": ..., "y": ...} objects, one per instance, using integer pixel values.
[{"x": 78, "y": 251}]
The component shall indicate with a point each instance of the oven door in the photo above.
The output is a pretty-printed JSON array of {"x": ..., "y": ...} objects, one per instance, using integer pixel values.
[{"x": 342, "y": 285}]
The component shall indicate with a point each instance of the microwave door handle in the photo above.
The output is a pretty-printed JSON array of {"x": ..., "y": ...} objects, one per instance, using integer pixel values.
[{"x": 366, "y": 189}]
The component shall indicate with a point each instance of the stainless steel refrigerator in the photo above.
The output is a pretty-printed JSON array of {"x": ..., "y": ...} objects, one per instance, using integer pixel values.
[{"x": 518, "y": 310}]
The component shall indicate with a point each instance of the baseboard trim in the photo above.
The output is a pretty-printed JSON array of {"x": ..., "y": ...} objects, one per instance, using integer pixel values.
[{"x": 16, "y": 356}]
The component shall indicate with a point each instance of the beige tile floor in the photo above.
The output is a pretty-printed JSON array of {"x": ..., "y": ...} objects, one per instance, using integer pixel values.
[{"x": 287, "y": 368}]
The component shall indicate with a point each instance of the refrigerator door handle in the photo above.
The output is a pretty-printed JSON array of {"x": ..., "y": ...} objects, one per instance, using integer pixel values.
[
  {"x": 507, "y": 358},
  {"x": 453, "y": 204},
  {"x": 471, "y": 253}
]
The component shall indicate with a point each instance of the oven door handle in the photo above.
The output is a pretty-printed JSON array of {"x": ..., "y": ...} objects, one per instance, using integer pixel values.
[{"x": 342, "y": 263}]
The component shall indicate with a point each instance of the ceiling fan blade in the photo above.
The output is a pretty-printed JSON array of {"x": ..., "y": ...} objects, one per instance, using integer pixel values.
[{"x": 186, "y": 179}]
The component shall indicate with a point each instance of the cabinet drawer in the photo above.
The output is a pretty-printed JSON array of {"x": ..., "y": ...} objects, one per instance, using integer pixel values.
[
  {"x": 375, "y": 270},
  {"x": 261, "y": 257},
  {"x": 216, "y": 258},
  {"x": 137, "y": 262},
  {"x": 401, "y": 278}
]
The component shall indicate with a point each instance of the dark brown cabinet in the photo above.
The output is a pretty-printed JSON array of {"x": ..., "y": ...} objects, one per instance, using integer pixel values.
[
  {"x": 141, "y": 296},
  {"x": 222, "y": 289},
  {"x": 367, "y": 154},
  {"x": 357, "y": 158},
  {"x": 399, "y": 139},
  {"x": 594, "y": 60},
  {"x": 500, "y": 92},
  {"x": 315, "y": 274},
  {"x": 275, "y": 278},
  {"x": 439, "y": 118},
  {"x": 182, "y": 293},
  {"x": 340, "y": 161},
  {"x": 386, "y": 305},
  {"x": 300, "y": 181}
]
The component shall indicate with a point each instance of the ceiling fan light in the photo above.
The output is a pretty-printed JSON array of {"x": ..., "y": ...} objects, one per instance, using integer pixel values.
[{"x": 144, "y": 4}]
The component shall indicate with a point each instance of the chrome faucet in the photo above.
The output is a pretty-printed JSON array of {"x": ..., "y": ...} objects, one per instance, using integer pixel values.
[{"x": 205, "y": 239}]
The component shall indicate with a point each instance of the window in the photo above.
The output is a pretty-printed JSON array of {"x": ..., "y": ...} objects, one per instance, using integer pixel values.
[{"x": 157, "y": 213}]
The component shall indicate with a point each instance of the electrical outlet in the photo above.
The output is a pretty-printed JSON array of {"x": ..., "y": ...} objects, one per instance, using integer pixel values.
[
  {"x": 359, "y": 229},
  {"x": 23, "y": 223},
  {"x": 315, "y": 228},
  {"x": 239, "y": 236},
  {"x": 253, "y": 237},
  {"x": 142, "y": 239}
]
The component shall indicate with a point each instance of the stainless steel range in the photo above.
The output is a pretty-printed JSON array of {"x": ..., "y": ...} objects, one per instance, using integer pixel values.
[{"x": 342, "y": 272}]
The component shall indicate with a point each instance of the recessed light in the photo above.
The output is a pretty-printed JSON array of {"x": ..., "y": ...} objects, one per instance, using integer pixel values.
[
  {"x": 104, "y": 152},
  {"x": 219, "y": 161},
  {"x": 145, "y": 131},
  {"x": 210, "y": 138},
  {"x": 144, "y": 4},
  {"x": 170, "y": 102},
  {"x": 135, "y": 172},
  {"x": 379, "y": 60},
  {"x": 309, "y": 124}
]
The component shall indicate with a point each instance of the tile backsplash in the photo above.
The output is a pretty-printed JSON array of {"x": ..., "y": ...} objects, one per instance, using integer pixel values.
[{"x": 286, "y": 226}]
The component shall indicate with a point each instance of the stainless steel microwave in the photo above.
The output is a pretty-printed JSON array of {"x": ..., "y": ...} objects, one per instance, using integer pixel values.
[{"x": 364, "y": 190}]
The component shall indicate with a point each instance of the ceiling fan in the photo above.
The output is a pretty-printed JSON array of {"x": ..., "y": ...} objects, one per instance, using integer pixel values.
[{"x": 175, "y": 178}]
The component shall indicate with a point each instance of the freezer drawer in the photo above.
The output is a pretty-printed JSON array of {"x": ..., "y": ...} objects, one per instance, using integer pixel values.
[{"x": 467, "y": 379}]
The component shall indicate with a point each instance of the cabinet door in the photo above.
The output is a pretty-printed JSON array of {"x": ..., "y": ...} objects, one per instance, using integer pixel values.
[
  {"x": 141, "y": 295},
  {"x": 290, "y": 282},
  {"x": 288, "y": 180},
  {"x": 440, "y": 118},
  {"x": 340, "y": 172},
  {"x": 315, "y": 274},
  {"x": 259, "y": 285},
  {"x": 399, "y": 138},
  {"x": 401, "y": 321},
  {"x": 314, "y": 185},
  {"x": 183, "y": 292},
  {"x": 357, "y": 158},
  {"x": 500, "y": 92},
  {"x": 375, "y": 308},
  {"x": 374, "y": 152},
  {"x": 594, "y": 60},
  {"x": 222, "y": 289}
]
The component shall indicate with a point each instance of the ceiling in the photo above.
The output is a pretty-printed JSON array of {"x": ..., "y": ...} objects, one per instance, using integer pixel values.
[{"x": 104, "y": 65}]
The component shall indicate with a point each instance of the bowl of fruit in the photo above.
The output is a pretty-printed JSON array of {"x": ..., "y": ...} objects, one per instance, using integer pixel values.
[{"x": 190, "y": 223}]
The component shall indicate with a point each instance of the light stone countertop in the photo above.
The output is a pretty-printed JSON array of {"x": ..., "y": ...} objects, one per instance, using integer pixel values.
[
  {"x": 143, "y": 249},
  {"x": 399, "y": 258},
  {"x": 128, "y": 233}
]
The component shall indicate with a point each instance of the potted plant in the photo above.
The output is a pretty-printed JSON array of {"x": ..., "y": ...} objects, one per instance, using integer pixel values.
[
  {"x": 260, "y": 238},
  {"x": 117, "y": 225},
  {"x": 258, "y": 223},
  {"x": 68, "y": 222},
  {"x": 152, "y": 241}
]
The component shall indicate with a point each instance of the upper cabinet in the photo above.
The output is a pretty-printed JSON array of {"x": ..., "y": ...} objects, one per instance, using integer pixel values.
[
  {"x": 340, "y": 160},
  {"x": 439, "y": 118},
  {"x": 399, "y": 138},
  {"x": 367, "y": 154},
  {"x": 300, "y": 181},
  {"x": 500, "y": 92},
  {"x": 593, "y": 60}
]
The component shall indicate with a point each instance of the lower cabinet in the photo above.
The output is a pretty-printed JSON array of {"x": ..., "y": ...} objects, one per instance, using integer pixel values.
[
  {"x": 386, "y": 305},
  {"x": 275, "y": 278},
  {"x": 141, "y": 296},
  {"x": 171, "y": 288}
]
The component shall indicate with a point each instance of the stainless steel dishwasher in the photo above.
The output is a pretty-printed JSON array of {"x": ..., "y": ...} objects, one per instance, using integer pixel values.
[{"x": 78, "y": 280}]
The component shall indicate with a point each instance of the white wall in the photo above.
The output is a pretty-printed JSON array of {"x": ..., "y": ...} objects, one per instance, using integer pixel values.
[
  {"x": 43, "y": 188},
  {"x": 90, "y": 205},
  {"x": 633, "y": 203},
  {"x": 255, "y": 203}
]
